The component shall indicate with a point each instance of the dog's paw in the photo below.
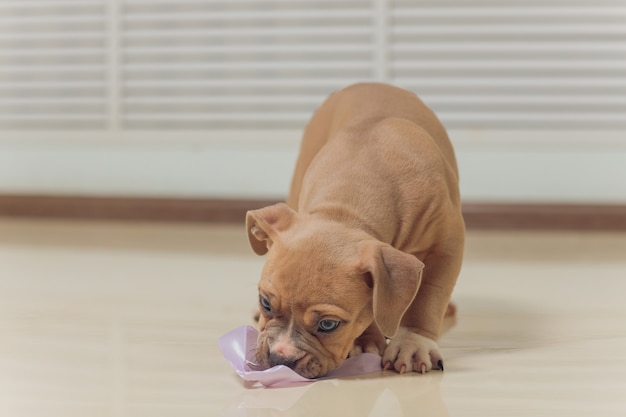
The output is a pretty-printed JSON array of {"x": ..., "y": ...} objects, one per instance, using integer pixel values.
[
  {"x": 371, "y": 341},
  {"x": 411, "y": 352}
]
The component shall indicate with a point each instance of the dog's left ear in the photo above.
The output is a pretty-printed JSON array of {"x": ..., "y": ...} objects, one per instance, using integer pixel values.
[
  {"x": 395, "y": 278},
  {"x": 264, "y": 224}
]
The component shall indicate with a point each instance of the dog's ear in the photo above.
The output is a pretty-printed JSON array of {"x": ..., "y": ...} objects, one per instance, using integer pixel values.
[
  {"x": 394, "y": 277},
  {"x": 264, "y": 224}
]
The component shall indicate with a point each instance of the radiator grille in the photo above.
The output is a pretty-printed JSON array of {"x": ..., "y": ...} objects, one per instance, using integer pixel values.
[{"x": 136, "y": 65}]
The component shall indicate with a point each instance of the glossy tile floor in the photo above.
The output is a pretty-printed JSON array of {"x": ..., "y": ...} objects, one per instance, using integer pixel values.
[{"x": 122, "y": 319}]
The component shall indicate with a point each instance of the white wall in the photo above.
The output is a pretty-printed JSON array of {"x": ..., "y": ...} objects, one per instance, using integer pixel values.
[{"x": 526, "y": 167}]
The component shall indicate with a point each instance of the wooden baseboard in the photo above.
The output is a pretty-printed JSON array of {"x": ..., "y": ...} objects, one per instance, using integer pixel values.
[
  {"x": 477, "y": 216},
  {"x": 125, "y": 208},
  {"x": 545, "y": 216}
]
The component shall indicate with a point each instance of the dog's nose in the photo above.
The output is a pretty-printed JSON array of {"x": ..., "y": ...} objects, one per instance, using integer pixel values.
[{"x": 276, "y": 359}]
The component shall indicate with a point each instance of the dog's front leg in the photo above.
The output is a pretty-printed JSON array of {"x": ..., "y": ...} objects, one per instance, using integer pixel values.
[
  {"x": 415, "y": 346},
  {"x": 370, "y": 341}
]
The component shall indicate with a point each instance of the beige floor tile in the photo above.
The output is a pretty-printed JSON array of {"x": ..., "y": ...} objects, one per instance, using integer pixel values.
[{"x": 122, "y": 319}]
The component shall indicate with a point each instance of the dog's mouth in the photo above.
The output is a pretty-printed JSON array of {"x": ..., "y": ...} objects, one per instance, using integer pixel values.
[
  {"x": 290, "y": 362},
  {"x": 306, "y": 365}
]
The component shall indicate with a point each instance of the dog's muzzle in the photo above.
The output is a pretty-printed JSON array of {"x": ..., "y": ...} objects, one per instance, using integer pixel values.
[{"x": 276, "y": 359}]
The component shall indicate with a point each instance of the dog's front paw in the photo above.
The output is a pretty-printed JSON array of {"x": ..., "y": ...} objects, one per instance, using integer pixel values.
[
  {"x": 409, "y": 351},
  {"x": 371, "y": 341}
]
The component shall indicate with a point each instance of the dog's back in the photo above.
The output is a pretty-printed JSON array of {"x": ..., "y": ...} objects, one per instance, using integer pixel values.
[
  {"x": 380, "y": 149},
  {"x": 365, "y": 104}
]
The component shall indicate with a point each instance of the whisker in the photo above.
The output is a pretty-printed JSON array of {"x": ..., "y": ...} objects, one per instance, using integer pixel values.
[{"x": 252, "y": 364}]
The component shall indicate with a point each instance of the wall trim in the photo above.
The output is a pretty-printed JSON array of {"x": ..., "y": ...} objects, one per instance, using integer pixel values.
[
  {"x": 545, "y": 216},
  {"x": 128, "y": 208},
  {"x": 540, "y": 216}
]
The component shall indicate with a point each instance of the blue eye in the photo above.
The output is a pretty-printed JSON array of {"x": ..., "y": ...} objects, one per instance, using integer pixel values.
[
  {"x": 265, "y": 303},
  {"x": 327, "y": 326}
]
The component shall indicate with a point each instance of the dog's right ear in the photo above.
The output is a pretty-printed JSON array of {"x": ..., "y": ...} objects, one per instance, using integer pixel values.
[
  {"x": 265, "y": 224},
  {"x": 395, "y": 278}
]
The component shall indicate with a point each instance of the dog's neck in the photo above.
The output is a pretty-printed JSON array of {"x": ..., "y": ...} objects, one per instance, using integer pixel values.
[{"x": 347, "y": 217}]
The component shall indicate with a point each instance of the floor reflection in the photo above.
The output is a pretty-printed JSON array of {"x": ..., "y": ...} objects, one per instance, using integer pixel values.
[{"x": 383, "y": 394}]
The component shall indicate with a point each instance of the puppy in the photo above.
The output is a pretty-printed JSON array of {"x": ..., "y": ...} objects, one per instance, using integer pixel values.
[{"x": 369, "y": 245}]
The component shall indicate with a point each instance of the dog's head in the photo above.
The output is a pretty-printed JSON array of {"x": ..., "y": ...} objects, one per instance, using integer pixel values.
[{"x": 322, "y": 285}]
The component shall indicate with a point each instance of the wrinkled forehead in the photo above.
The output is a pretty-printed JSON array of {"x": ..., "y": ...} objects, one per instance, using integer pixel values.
[
  {"x": 315, "y": 274},
  {"x": 306, "y": 259}
]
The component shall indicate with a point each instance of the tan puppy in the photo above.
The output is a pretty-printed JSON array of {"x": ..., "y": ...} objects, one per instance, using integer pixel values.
[{"x": 370, "y": 242}]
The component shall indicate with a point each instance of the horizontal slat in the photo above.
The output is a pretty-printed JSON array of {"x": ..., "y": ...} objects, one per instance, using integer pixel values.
[
  {"x": 185, "y": 28},
  {"x": 196, "y": 6},
  {"x": 528, "y": 99},
  {"x": 61, "y": 101},
  {"x": 504, "y": 37},
  {"x": 611, "y": 110},
  {"x": 434, "y": 54},
  {"x": 58, "y": 67},
  {"x": 51, "y": 117},
  {"x": 518, "y": 81},
  {"x": 165, "y": 42},
  {"x": 247, "y": 14},
  {"x": 546, "y": 29},
  {"x": 22, "y": 110},
  {"x": 51, "y": 92},
  {"x": 529, "y": 11},
  {"x": 538, "y": 116},
  {"x": 19, "y": 75},
  {"x": 495, "y": 45},
  {"x": 196, "y": 110},
  {"x": 65, "y": 51},
  {"x": 44, "y": 125},
  {"x": 521, "y": 64},
  {"x": 237, "y": 116},
  {"x": 172, "y": 43},
  {"x": 131, "y": 92},
  {"x": 509, "y": 20},
  {"x": 94, "y": 33},
  {"x": 508, "y": 90},
  {"x": 530, "y": 74},
  {"x": 277, "y": 56},
  {"x": 168, "y": 78},
  {"x": 252, "y": 31},
  {"x": 256, "y": 48},
  {"x": 43, "y": 41},
  {"x": 438, "y": 99},
  {"x": 230, "y": 99},
  {"x": 242, "y": 82},
  {"x": 187, "y": 126},
  {"x": 51, "y": 59},
  {"x": 470, "y": 116},
  {"x": 53, "y": 26},
  {"x": 45, "y": 5},
  {"x": 139, "y": 69},
  {"x": 44, "y": 84},
  {"x": 57, "y": 19}
]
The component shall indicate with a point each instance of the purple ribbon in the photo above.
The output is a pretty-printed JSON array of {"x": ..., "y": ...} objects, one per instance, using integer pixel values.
[{"x": 239, "y": 348}]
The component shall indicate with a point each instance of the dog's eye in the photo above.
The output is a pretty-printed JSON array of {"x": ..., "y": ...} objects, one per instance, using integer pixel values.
[
  {"x": 265, "y": 303},
  {"x": 327, "y": 326}
]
